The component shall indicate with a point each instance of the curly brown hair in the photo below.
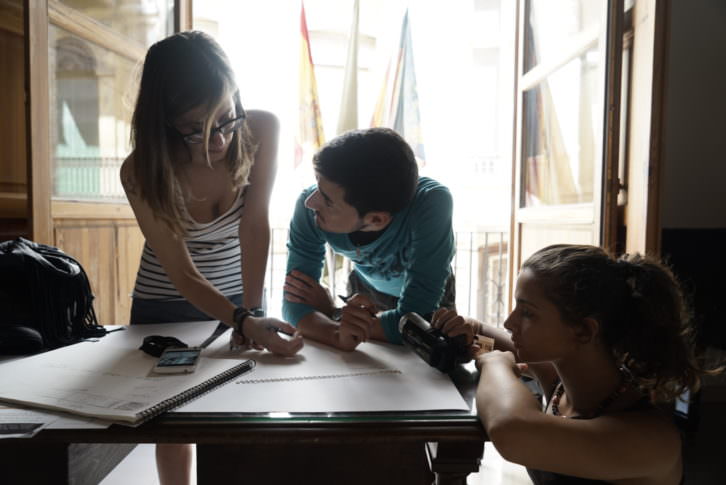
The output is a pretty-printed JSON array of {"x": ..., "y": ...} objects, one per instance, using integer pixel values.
[{"x": 639, "y": 304}]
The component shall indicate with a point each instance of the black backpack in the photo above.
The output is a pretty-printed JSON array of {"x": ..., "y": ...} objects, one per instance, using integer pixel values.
[{"x": 45, "y": 299}]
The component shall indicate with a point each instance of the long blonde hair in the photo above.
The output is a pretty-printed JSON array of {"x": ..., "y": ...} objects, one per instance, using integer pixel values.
[{"x": 182, "y": 72}]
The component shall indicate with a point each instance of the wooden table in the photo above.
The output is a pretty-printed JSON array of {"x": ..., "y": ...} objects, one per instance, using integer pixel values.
[{"x": 356, "y": 448}]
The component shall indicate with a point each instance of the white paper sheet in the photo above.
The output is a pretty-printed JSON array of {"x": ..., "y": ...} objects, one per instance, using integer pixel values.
[
  {"x": 10, "y": 416},
  {"x": 20, "y": 423},
  {"x": 375, "y": 377}
]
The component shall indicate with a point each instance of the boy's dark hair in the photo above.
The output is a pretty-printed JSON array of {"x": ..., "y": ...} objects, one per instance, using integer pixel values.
[{"x": 375, "y": 167}]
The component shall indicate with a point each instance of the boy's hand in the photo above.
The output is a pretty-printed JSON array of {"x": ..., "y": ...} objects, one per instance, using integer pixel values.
[
  {"x": 357, "y": 320},
  {"x": 301, "y": 288}
]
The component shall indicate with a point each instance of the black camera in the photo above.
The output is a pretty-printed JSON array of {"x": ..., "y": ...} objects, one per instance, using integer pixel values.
[{"x": 439, "y": 350}]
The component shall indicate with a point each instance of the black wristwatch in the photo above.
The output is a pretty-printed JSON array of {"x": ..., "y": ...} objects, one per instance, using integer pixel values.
[
  {"x": 238, "y": 317},
  {"x": 257, "y": 312}
]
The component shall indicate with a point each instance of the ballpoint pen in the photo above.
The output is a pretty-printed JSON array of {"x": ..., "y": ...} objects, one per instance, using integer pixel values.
[
  {"x": 366, "y": 307},
  {"x": 345, "y": 300},
  {"x": 273, "y": 328}
]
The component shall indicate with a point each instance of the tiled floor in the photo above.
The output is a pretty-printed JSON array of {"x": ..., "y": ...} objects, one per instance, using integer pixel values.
[
  {"x": 496, "y": 471},
  {"x": 139, "y": 468}
]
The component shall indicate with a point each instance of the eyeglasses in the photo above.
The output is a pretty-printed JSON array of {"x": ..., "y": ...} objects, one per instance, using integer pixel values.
[{"x": 225, "y": 129}]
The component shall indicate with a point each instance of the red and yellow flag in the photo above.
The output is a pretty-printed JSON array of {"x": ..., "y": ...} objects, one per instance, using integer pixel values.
[{"x": 310, "y": 135}]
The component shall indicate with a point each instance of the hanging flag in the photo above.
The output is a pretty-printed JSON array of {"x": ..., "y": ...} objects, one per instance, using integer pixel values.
[
  {"x": 382, "y": 109},
  {"x": 348, "y": 117},
  {"x": 310, "y": 135},
  {"x": 397, "y": 105},
  {"x": 548, "y": 176}
]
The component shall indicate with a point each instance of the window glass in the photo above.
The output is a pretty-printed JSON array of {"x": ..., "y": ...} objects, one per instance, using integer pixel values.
[
  {"x": 562, "y": 101},
  {"x": 91, "y": 102},
  {"x": 552, "y": 26},
  {"x": 561, "y": 134},
  {"x": 92, "y": 92},
  {"x": 143, "y": 22}
]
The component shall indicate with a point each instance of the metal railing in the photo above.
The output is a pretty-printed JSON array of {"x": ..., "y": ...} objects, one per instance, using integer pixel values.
[
  {"x": 88, "y": 178},
  {"x": 480, "y": 267}
]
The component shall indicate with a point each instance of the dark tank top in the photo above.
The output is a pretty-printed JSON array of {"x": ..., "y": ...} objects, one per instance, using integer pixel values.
[{"x": 541, "y": 477}]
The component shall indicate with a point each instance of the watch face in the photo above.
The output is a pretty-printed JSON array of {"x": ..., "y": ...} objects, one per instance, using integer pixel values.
[{"x": 257, "y": 312}]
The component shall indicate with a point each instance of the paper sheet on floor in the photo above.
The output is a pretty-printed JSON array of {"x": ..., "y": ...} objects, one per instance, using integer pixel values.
[{"x": 25, "y": 423}]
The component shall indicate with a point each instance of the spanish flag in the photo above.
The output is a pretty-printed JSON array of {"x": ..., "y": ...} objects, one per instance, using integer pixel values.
[{"x": 310, "y": 135}]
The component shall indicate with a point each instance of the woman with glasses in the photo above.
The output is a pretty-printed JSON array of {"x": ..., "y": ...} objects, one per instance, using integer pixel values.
[{"x": 199, "y": 181}]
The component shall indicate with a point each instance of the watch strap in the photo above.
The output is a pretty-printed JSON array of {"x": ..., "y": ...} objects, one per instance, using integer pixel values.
[{"x": 238, "y": 317}]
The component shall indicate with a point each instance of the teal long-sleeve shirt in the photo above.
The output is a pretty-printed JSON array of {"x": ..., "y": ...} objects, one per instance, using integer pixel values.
[{"x": 410, "y": 260}]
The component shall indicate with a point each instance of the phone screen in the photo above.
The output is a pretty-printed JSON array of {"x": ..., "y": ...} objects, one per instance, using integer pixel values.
[{"x": 172, "y": 358}]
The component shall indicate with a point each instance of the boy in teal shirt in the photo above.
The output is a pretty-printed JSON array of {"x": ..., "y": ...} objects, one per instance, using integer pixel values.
[{"x": 371, "y": 206}]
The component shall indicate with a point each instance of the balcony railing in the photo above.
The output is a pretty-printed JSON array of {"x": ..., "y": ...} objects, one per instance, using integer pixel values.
[
  {"x": 480, "y": 267},
  {"x": 94, "y": 179}
]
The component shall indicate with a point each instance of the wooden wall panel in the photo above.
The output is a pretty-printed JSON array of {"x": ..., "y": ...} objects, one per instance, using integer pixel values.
[
  {"x": 109, "y": 251},
  {"x": 645, "y": 111},
  {"x": 12, "y": 107},
  {"x": 130, "y": 243},
  {"x": 13, "y": 159},
  {"x": 11, "y": 16},
  {"x": 93, "y": 245},
  {"x": 37, "y": 102}
]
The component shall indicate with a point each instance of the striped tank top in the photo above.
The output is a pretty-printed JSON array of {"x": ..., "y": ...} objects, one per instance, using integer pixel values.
[{"x": 214, "y": 249}]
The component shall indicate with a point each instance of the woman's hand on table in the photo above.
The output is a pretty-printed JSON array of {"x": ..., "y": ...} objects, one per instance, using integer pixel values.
[{"x": 264, "y": 333}]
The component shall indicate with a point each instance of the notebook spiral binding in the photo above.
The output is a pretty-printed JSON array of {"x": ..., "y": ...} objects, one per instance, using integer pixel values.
[
  {"x": 327, "y": 376},
  {"x": 196, "y": 391}
]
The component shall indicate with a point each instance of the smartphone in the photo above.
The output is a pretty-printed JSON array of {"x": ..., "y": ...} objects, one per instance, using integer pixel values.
[{"x": 176, "y": 360}]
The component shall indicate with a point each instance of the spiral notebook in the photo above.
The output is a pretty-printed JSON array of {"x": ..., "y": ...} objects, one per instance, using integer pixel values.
[{"x": 109, "y": 382}]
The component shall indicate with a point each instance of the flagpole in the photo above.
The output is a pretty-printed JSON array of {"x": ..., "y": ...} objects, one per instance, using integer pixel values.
[{"x": 348, "y": 116}]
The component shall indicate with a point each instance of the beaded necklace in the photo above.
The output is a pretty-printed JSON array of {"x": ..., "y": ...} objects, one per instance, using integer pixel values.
[{"x": 625, "y": 381}]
